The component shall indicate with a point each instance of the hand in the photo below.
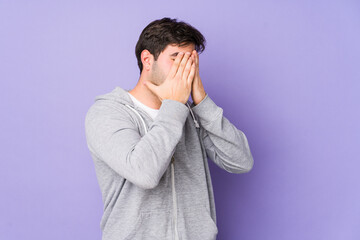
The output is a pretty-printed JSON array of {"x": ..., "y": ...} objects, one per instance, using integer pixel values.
[
  {"x": 197, "y": 92},
  {"x": 177, "y": 85}
]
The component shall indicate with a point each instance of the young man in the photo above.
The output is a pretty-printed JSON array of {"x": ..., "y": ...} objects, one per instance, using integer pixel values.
[{"x": 150, "y": 144}]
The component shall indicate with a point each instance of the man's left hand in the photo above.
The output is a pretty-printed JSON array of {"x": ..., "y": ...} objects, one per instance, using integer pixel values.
[{"x": 197, "y": 92}]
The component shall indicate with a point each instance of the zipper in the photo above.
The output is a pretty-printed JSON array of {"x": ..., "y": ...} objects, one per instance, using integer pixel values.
[
  {"x": 174, "y": 198},
  {"x": 173, "y": 181}
]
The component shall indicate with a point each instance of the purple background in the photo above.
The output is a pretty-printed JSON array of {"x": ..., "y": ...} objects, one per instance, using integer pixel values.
[{"x": 287, "y": 74}]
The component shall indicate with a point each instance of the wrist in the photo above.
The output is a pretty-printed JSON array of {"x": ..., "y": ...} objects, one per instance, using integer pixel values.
[{"x": 198, "y": 100}]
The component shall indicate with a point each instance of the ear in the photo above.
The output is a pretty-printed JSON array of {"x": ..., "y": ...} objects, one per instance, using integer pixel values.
[{"x": 147, "y": 59}]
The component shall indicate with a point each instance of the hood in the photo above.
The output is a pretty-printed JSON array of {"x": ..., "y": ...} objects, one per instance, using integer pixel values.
[{"x": 121, "y": 95}]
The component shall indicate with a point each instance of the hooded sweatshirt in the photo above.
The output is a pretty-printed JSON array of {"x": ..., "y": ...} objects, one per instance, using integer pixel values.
[
  {"x": 151, "y": 111},
  {"x": 153, "y": 173}
]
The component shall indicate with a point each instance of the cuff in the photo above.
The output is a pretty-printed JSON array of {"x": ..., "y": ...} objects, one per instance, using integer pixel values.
[
  {"x": 173, "y": 110},
  {"x": 207, "y": 110}
]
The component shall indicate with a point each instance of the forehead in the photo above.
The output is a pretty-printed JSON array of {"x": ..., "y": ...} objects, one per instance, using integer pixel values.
[{"x": 173, "y": 49}]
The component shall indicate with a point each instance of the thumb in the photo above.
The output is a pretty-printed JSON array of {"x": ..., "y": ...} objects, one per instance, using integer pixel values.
[{"x": 151, "y": 86}]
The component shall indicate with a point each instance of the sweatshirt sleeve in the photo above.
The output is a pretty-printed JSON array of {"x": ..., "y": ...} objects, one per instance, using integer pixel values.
[
  {"x": 113, "y": 137},
  {"x": 225, "y": 145}
]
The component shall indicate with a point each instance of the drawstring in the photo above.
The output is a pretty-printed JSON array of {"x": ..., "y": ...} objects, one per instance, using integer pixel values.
[
  {"x": 142, "y": 120},
  {"x": 139, "y": 116},
  {"x": 195, "y": 121},
  {"x": 172, "y": 163}
]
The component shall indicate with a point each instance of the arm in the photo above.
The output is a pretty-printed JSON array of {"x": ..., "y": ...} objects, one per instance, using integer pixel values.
[
  {"x": 113, "y": 137},
  {"x": 225, "y": 145}
]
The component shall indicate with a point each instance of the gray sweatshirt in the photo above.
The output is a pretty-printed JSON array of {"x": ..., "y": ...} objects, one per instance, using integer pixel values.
[{"x": 153, "y": 174}]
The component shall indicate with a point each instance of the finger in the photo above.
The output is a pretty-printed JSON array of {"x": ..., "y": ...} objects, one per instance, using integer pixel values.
[
  {"x": 197, "y": 62},
  {"x": 182, "y": 64},
  {"x": 187, "y": 70},
  {"x": 193, "y": 56},
  {"x": 175, "y": 65},
  {"x": 191, "y": 74}
]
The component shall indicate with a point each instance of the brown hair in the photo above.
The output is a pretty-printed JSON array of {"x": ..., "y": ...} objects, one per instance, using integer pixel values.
[{"x": 159, "y": 33}]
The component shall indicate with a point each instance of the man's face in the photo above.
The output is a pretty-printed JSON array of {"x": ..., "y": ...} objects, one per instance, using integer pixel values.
[{"x": 161, "y": 68}]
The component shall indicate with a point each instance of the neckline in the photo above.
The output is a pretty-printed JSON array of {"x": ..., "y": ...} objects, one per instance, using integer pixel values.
[{"x": 142, "y": 104}]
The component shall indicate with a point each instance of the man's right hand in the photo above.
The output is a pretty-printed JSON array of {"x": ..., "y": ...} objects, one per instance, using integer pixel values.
[{"x": 177, "y": 85}]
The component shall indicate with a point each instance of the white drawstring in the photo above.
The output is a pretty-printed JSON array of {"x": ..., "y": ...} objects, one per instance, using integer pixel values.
[
  {"x": 139, "y": 116},
  {"x": 142, "y": 120},
  {"x": 195, "y": 121},
  {"x": 172, "y": 164}
]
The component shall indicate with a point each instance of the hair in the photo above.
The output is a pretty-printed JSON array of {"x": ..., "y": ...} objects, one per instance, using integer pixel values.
[{"x": 159, "y": 33}]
